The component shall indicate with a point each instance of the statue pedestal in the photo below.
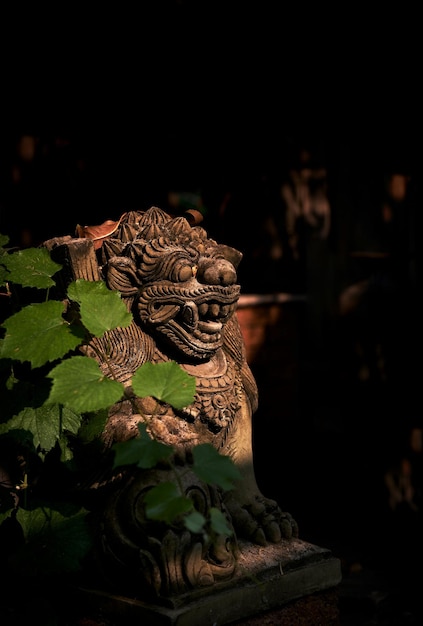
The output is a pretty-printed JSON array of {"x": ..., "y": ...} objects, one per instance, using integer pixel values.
[{"x": 266, "y": 578}]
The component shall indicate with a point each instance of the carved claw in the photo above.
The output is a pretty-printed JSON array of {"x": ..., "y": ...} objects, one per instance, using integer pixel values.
[
  {"x": 262, "y": 521},
  {"x": 288, "y": 526}
]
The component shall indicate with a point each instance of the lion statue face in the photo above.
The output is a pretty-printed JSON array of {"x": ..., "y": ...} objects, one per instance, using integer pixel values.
[{"x": 183, "y": 284}]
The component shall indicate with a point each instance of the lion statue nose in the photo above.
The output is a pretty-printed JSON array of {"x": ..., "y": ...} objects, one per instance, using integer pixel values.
[{"x": 216, "y": 272}]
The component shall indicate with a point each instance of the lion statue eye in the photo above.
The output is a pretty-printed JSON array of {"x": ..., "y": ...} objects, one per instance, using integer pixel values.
[{"x": 182, "y": 271}]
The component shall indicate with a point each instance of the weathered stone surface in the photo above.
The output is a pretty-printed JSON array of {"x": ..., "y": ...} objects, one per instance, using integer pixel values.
[{"x": 267, "y": 578}]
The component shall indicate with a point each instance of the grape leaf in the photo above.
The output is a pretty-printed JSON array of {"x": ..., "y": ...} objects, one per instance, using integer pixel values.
[
  {"x": 142, "y": 451},
  {"x": 4, "y": 275},
  {"x": 4, "y": 240},
  {"x": 167, "y": 382},
  {"x": 38, "y": 334},
  {"x": 79, "y": 383},
  {"x": 100, "y": 308},
  {"x": 93, "y": 426},
  {"x": 214, "y": 468},
  {"x": 45, "y": 423},
  {"x": 219, "y": 523},
  {"x": 195, "y": 522},
  {"x": 164, "y": 502},
  {"x": 32, "y": 267},
  {"x": 54, "y": 543}
]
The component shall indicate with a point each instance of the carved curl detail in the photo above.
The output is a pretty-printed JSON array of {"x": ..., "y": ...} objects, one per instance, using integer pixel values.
[{"x": 157, "y": 560}]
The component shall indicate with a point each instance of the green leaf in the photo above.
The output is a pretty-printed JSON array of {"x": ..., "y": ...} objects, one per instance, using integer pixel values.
[
  {"x": 32, "y": 267},
  {"x": 167, "y": 382},
  {"x": 54, "y": 543},
  {"x": 93, "y": 425},
  {"x": 165, "y": 504},
  {"x": 4, "y": 240},
  {"x": 38, "y": 334},
  {"x": 79, "y": 383},
  {"x": 66, "y": 453},
  {"x": 214, "y": 468},
  {"x": 4, "y": 275},
  {"x": 100, "y": 308},
  {"x": 24, "y": 438},
  {"x": 46, "y": 424},
  {"x": 219, "y": 523},
  {"x": 142, "y": 451},
  {"x": 195, "y": 522}
]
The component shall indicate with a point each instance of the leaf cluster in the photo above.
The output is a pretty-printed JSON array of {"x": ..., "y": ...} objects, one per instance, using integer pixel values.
[{"x": 55, "y": 400}]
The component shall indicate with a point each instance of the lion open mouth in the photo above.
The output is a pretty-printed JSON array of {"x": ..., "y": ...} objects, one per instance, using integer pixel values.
[{"x": 192, "y": 320}]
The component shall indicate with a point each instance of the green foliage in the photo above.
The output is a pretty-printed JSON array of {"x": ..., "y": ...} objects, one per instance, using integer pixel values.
[
  {"x": 31, "y": 268},
  {"x": 143, "y": 451},
  {"x": 54, "y": 543},
  {"x": 54, "y": 397},
  {"x": 165, "y": 503},
  {"x": 100, "y": 308},
  {"x": 214, "y": 468},
  {"x": 165, "y": 382},
  {"x": 218, "y": 522},
  {"x": 38, "y": 333},
  {"x": 80, "y": 384},
  {"x": 4, "y": 240},
  {"x": 46, "y": 424}
]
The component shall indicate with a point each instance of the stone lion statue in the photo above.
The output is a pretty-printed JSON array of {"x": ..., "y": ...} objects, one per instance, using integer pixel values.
[{"x": 182, "y": 289}]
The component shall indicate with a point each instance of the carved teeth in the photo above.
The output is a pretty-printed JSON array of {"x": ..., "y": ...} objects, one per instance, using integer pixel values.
[
  {"x": 203, "y": 308},
  {"x": 190, "y": 314},
  {"x": 210, "y": 327},
  {"x": 214, "y": 310},
  {"x": 206, "y": 337}
]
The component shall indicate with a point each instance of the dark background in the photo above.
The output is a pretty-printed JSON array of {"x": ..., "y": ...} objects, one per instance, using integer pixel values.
[
  {"x": 126, "y": 103},
  {"x": 105, "y": 111}
]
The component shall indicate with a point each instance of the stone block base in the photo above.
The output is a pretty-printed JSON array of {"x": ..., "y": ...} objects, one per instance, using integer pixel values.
[{"x": 267, "y": 579}]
